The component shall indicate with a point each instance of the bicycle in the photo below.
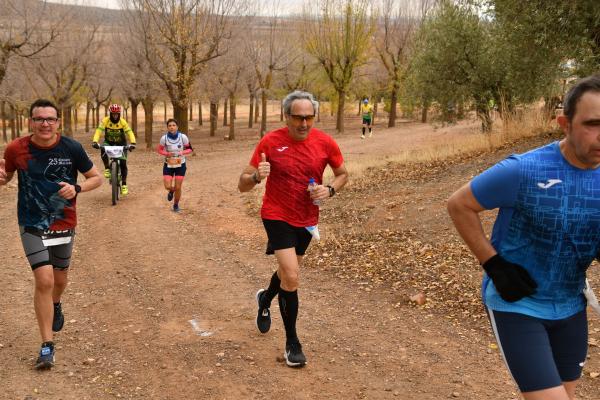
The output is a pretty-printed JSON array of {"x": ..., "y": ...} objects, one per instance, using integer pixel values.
[{"x": 114, "y": 154}]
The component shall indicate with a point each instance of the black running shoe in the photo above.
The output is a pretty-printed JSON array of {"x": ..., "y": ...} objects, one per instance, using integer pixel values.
[
  {"x": 263, "y": 318},
  {"x": 46, "y": 358},
  {"x": 170, "y": 195},
  {"x": 294, "y": 357},
  {"x": 59, "y": 319}
]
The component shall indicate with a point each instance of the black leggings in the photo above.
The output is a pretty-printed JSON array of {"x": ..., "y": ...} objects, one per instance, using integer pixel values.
[{"x": 122, "y": 165}]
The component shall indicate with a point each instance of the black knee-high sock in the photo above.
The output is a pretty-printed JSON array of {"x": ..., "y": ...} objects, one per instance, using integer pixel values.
[
  {"x": 269, "y": 294},
  {"x": 370, "y": 129},
  {"x": 363, "y": 128},
  {"x": 288, "y": 305}
]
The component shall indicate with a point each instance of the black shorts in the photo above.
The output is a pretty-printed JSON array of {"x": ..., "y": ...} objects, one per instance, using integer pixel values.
[
  {"x": 284, "y": 236},
  {"x": 38, "y": 254},
  {"x": 540, "y": 353},
  {"x": 179, "y": 171}
]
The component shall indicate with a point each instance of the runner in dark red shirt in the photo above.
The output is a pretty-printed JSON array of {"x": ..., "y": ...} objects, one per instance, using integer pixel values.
[
  {"x": 47, "y": 165},
  {"x": 291, "y": 157}
]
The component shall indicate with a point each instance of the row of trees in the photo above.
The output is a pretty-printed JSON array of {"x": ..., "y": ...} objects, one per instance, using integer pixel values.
[
  {"x": 453, "y": 55},
  {"x": 503, "y": 54}
]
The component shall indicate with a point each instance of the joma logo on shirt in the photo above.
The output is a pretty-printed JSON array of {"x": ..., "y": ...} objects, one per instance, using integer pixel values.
[{"x": 549, "y": 184}]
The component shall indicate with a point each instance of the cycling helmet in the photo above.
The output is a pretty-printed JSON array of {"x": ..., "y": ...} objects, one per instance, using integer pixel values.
[
  {"x": 115, "y": 108},
  {"x": 365, "y": 101}
]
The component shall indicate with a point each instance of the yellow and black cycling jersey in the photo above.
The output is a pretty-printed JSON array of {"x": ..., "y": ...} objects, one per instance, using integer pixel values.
[
  {"x": 367, "y": 110},
  {"x": 114, "y": 134}
]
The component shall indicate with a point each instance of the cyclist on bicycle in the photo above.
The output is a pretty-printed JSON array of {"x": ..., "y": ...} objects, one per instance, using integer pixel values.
[{"x": 116, "y": 131}]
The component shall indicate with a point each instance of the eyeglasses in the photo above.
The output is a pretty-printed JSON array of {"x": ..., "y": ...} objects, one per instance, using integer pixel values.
[
  {"x": 49, "y": 120},
  {"x": 300, "y": 118}
]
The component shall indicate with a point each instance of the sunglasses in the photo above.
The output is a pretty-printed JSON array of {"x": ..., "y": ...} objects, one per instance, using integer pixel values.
[{"x": 300, "y": 118}]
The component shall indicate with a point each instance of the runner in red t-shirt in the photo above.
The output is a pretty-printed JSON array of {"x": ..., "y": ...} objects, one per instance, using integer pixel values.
[{"x": 291, "y": 157}]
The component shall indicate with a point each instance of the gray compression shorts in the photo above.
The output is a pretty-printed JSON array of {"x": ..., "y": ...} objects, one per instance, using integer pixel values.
[{"x": 38, "y": 254}]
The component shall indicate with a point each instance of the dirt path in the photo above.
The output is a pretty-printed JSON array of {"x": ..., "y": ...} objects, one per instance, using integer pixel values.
[{"x": 141, "y": 273}]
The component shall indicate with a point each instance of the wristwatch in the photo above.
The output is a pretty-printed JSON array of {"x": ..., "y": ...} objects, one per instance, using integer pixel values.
[
  {"x": 77, "y": 188},
  {"x": 331, "y": 190}
]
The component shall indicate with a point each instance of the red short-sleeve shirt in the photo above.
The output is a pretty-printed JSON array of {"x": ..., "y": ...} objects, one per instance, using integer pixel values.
[{"x": 293, "y": 163}]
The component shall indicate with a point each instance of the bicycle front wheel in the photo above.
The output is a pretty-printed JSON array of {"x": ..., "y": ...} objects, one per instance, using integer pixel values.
[{"x": 114, "y": 180}]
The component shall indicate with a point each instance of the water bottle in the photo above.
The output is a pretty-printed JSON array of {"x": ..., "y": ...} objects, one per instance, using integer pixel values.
[
  {"x": 311, "y": 186},
  {"x": 314, "y": 231}
]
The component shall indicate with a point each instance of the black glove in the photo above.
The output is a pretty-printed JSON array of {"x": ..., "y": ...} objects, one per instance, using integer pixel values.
[
  {"x": 132, "y": 147},
  {"x": 512, "y": 281},
  {"x": 95, "y": 145}
]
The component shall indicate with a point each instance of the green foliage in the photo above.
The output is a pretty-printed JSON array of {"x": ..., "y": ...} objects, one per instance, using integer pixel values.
[
  {"x": 465, "y": 55},
  {"x": 564, "y": 30}
]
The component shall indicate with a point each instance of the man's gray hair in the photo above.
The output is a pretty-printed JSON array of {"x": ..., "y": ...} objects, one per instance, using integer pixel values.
[{"x": 298, "y": 95}]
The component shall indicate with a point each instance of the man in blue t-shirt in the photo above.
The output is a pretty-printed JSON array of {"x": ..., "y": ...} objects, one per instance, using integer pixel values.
[
  {"x": 47, "y": 165},
  {"x": 546, "y": 235}
]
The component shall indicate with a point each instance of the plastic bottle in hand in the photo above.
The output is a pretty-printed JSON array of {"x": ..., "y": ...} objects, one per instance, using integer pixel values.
[{"x": 311, "y": 186}]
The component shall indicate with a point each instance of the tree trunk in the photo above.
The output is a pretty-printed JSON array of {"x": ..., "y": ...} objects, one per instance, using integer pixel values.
[
  {"x": 75, "y": 117},
  {"x": 13, "y": 128},
  {"x": 134, "y": 115},
  {"x": 3, "y": 110},
  {"x": 281, "y": 111},
  {"x": 263, "y": 113},
  {"x": 225, "y": 112},
  {"x": 199, "y": 113},
  {"x": 424, "y": 110},
  {"x": 148, "y": 105},
  {"x": 191, "y": 116},
  {"x": 67, "y": 129},
  {"x": 214, "y": 115},
  {"x": 319, "y": 113},
  {"x": 165, "y": 113},
  {"x": 87, "y": 116},
  {"x": 393, "y": 105},
  {"x": 19, "y": 124},
  {"x": 232, "y": 105},
  {"x": 483, "y": 113},
  {"x": 339, "y": 124},
  {"x": 359, "y": 106},
  {"x": 97, "y": 122},
  {"x": 256, "y": 110},
  {"x": 105, "y": 110},
  {"x": 180, "y": 111},
  {"x": 251, "y": 112}
]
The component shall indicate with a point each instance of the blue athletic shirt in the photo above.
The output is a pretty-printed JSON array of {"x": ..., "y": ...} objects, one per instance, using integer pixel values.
[{"x": 548, "y": 222}]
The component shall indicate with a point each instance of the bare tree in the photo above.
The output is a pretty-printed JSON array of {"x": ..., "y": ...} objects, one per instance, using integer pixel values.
[
  {"x": 24, "y": 30},
  {"x": 338, "y": 35},
  {"x": 63, "y": 69},
  {"x": 268, "y": 51},
  {"x": 139, "y": 85},
  {"x": 399, "y": 23},
  {"x": 231, "y": 80},
  {"x": 180, "y": 37}
]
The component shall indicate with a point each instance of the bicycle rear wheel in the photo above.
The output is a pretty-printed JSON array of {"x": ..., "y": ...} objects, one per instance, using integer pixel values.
[{"x": 114, "y": 180}]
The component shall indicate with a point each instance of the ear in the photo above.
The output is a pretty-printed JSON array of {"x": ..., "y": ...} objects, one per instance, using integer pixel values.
[{"x": 563, "y": 122}]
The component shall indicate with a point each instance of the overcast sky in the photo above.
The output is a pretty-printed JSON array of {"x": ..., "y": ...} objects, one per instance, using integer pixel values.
[{"x": 291, "y": 6}]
